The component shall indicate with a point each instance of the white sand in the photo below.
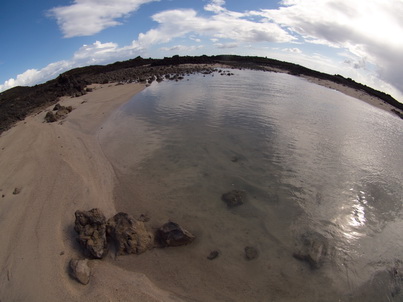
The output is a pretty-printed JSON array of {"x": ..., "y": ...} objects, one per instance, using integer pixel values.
[{"x": 60, "y": 168}]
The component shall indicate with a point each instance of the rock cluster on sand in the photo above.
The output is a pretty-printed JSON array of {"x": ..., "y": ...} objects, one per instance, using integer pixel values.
[
  {"x": 129, "y": 234},
  {"x": 91, "y": 229},
  {"x": 60, "y": 113}
]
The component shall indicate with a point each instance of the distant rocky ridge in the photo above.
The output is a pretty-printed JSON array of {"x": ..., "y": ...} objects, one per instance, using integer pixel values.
[{"x": 18, "y": 102}]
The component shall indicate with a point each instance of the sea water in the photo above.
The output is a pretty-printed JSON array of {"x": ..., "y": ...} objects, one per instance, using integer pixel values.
[{"x": 310, "y": 159}]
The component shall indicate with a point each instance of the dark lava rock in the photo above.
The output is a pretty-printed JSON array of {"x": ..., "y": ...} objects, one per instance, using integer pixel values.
[
  {"x": 213, "y": 254},
  {"x": 312, "y": 247},
  {"x": 251, "y": 253},
  {"x": 234, "y": 198},
  {"x": 171, "y": 234},
  {"x": 17, "y": 191},
  {"x": 91, "y": 229},
  {"x": 57, "y": 107},
  {"x": 129, "y": 234},
  {"x": 80, "y": 270},
  {"x": 50, "y": 117}
]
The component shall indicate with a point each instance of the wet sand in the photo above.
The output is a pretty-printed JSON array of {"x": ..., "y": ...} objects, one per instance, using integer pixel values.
[{"x": 58, "y": 168}]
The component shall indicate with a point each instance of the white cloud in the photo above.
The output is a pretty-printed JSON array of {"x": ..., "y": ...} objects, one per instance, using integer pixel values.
[
  {"x": 182, "y": 48},
  {"x": 370, "y": 30},
  {"x": 226, "y": 45},
  {"x": 293, "y": 50},
  {"x": 96, "y": 53},
  {"x": 222, "y": 25},
  {"x": 88, "y": 17}
]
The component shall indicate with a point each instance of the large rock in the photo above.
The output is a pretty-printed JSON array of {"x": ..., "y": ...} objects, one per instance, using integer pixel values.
[
  {"x": 80, "y": 270},
  {"x": 171, "y": 234},
  {"x": 91, "y": 229},
  {"x": 312, "y": 247},
  {"x": 129, "y": 234}
]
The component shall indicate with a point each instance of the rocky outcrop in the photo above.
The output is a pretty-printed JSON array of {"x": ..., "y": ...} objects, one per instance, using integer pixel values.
[
  {"x": 234, "y": 198},
  {"x": 171, "y": 234},
  {"x": 312, "y": 247},
  {"x": 60, "y": 113},
  {"x": 80, "y": 270},
  {"x": 91, "y": 229},
  {"x": 129, "y": 235}
]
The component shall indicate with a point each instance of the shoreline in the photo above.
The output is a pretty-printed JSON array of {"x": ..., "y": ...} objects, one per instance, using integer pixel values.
[
  {"x": 57, "y": 169},
  {"x": 60, "y": 168}
]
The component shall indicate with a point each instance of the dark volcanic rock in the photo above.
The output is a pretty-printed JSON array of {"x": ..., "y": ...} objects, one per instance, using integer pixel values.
[
  {"x": 251, "y": 253},
  {"x": 171, "y": 234},
  {"x": 50, "y": 117},
  {"x": 91, "y": 229},
  {"x": 80, "y": 270},
  {"x": 234, "y": 198},
  {"x": 312, "y": 247},
  {"x": 129, "y": 234}
]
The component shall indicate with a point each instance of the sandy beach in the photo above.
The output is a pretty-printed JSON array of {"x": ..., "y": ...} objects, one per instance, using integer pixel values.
[
  {"x": 59, "y": 168},
  {"x": 50, "y": 170}
]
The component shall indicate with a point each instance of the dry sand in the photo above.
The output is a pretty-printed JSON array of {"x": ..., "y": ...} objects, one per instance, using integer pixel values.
[
  {"x": 59, "y": 168},
  {"x": 355, "y": 93}
]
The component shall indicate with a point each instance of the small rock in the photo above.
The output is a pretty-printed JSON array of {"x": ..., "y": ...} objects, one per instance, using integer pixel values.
[
  {"x": 213, "y": 254},
  {"x": 311, "y": 247},
  {"x": 50, "y": 117},
  {"x": 234, "y": 159},
  {"x": 17, "y": 191},
  {"x": 251, "y": 253},
  {"x": 80, "y": 270},
  {"x": 129, "y": 234},
  {"x": 57, "y": 107},
  {"x": 171, "y": 234},
  {"x": 91, "y": 229},
  {"x": 234, "y": 198}
]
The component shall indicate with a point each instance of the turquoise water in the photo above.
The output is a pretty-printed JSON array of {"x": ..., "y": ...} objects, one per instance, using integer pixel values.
[{"x": 310, "y": 159}]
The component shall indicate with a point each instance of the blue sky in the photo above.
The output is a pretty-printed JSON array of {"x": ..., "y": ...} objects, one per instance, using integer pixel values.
[{"x": 361, "y": 39}]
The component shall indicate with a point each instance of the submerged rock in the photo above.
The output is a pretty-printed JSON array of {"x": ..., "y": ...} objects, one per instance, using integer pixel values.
[
  {"x": 80, "y": 270},
  {"x": 129, "y": 234},
  {"x": 213, "y": 254},
  {"x": 171, "y": 234},
  {"x": 91, "y": 229},
  {"x": 312, "y": 247},
  {"x": 234, "y": 198},
  {"x": 251, "y": 253}
]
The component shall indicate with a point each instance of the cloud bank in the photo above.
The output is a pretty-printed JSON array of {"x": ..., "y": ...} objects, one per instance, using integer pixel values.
[
  {"x": 88, "y": 17},
  {"x": 365, "y": 34}
]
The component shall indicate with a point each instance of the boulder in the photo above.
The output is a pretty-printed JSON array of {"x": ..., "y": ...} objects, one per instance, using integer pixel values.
[
  {"x": 311, "y": 247},
  {"x": 130, "y": 235},
  {"x": 172, "y": 234},
  {"x": 234, "y": 198},
  {"x": 91, "y": 229},
  {"x": 80, "y": 270}
]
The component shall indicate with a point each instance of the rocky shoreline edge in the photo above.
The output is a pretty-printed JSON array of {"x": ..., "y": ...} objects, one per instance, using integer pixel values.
[{"x": 18, "y": 102}]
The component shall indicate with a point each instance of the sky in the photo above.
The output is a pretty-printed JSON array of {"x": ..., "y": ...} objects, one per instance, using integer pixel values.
[{"x": 360, "y": 39}]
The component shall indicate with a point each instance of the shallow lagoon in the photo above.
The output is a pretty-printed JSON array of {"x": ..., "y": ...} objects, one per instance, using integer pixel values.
[{"x": 310, "y": 159}]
